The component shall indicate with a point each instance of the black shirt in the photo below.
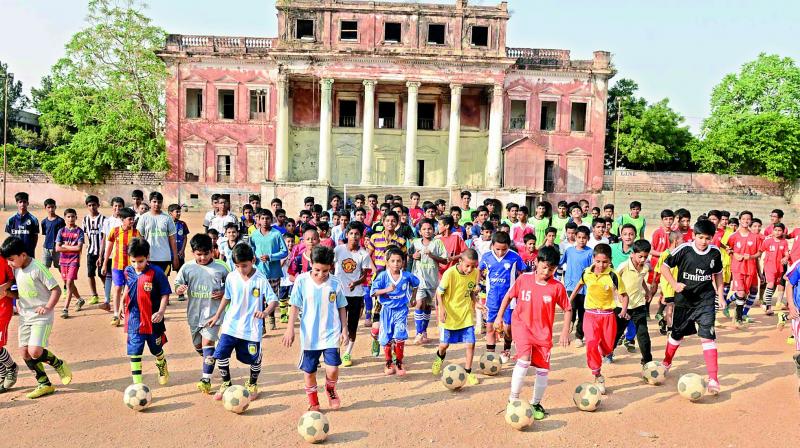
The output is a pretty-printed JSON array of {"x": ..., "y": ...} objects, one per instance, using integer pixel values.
[{"x": 695, "y": 270}]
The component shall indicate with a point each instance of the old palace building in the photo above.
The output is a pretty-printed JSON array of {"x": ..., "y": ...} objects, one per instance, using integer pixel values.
[{"x": 383, "y": 93}]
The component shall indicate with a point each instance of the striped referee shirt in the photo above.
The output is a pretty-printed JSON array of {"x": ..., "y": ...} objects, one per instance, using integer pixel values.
[{"x": 93, "y": 229}]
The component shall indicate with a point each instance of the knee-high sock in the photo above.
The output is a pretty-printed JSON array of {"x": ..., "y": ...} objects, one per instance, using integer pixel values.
[
  {"x": 726, "y": 292},
  {"x": 507, "y": 343},
  {"x": 539, "y": 385},
  {"x": 663, "y": 306},
  {"x": 630, "y": 331},
  {"x": 518, "y": 378},
  {"x": 710, "y": 356},
  {"x": 224, "y": 367},
  {"x": 107, "y": 289},
  {"x": 208, "y": 362},
  {"x": 739, "y": 307},
  {"x": 768, "y": 296},
  {"x": 5, "y": 359},
  {"x": 136, "y": 368},
  {"x": 387, "y": 353},
  {"x": 284, "y": 307},
  {"x": 419, "y": 318},
  {"x": 51, "y": 359},
  {"x": 751, "y": 299},
  {"x": 255, "y": 371},
  {"x": 38, "y": 371},
  {"x": 312, "y": 395},
  {"x": 426, "y": 320},
  {"x": 669, "y": 353},
  {"x": 368, "y": 304},
  {"x": 399, "y": 347},
  {"x": 375, "y": 332}
]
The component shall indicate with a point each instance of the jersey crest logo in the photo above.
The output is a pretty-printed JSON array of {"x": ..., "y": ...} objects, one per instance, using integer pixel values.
[
  {"x": 471, "y": 286},
  {"x": 711, "y": 266},
  {"x": 252, "y": 349},
  {"x": 256, "y": 292},
  {"x": 749, "y": 243},
  {"x": 738, "y": 244},
  {"x": 507, "y": 266},
  {"x": 148, "y": 286},
  {"x": 332, "y": 297},
  {"x": 349, "y": 265},
  {"x": 547, "y": 299}
]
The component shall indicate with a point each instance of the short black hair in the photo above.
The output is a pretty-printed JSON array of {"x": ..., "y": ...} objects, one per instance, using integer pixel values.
[
  {"x": 705, "y": 228},
  {"x": 628, "y": 226},
  {"x": 602, "y": 249},
  {"x": 427, "y": 221},
  {"x": 355, "y": 225},
  {"x": 778, "y": 212},
  {"x": 529, "y": 237},
  {"x": 139, "y": 247},
  {"x": 636, "y": 204},
  {"x": 465, "y": 193},
  {"x": 757, "y": 221},
  {"x": 139, "y": 194},
  {"x": 232, "y": 225},
  {"x": 242, "y": 252},
  {"x": 447, "y": 220},
  {"x": 213, "y": 233},
  {"x": 642, "y": 245},
  {"x": 487, "y": 225},
  {"x": 70, "y": 211},
  {"x": 667, "y": 213},
  {"x": 12, "y": 246},
  {"x": 550, "y": 230},
  {"x": 779, "y": 225},
  {"x": 201, "y": 242},
  {"x": 746, "y": 212},
  {"x": 92, "y": 199},
  {"x": 308, "y": 199},
  {"x": 549, "y": 255},
  {"x": 247, "y": 207},
  {"x": 470, "y": 254},
  {"x": 215, "y": 197},
  {"x": 571, "y": 226},
  {"x": 394, "y": 250},
  {"x": 501, "y": 238},
  {"x": 49, "y": 201},
  {"x": 584, "y": 230},
  {"x": 173, "y": 208},
  {"x": 608, "y": 207},
  {"x": 323, "y": 226},
  {"x": 391, "y": 214},
  {"x": 598, "y": 221},
  {"x": 157, "y": 196},
  {"x": 683, "y": 213},
  {"x": 322, "y": 255},
  {"x": 118, "y": 200},
  {"x": 316, "y": 208},
  {"x": 125, "y": 213}
]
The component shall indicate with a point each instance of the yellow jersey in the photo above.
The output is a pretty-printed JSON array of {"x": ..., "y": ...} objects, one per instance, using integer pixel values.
[
  {"x": 456, "y": 290},
  {"x": 600, "y": 288}
]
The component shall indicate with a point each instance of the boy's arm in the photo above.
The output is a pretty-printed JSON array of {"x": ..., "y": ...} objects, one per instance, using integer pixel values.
[
  {"x": 576, "y": 291},
  {"x": 158, "y": 316},
  {"x": 55, "y": 294},
  {"x": 440, "y": 314},
  {"x": 503, "y": 305},
  {"x": 343, "y": 319},
  {"x": 719, "y": 286},
  {"x": 220, "y": 309},
  {"x": 666, "y": 274},
  {"x": 288, "y": 335},
  {"x": 623, "y": 296},
  {"x": 281, "y": 252},
  {"x": 174, "y": 249},
  {"x": 563, "y": 339}
]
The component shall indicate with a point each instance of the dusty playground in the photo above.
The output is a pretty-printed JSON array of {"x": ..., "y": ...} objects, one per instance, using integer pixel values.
[{"x": 756, "y": 408}]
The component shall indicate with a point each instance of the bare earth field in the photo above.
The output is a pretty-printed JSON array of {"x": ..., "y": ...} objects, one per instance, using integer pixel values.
[{"x": 756, "y": 408}]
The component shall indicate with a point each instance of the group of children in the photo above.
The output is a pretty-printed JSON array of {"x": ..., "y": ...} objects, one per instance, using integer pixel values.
[{"x": 482, "y": 274}]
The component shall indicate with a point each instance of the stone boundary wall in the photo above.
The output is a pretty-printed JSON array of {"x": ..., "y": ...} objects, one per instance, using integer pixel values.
[{"x": 673, "y": 182}]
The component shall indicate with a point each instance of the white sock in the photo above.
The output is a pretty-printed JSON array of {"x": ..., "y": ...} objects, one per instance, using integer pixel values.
[
  {"x": 350, "y": 345},
  {"x": 539, "y": 385},
  {"x": 518, "y": 378}
]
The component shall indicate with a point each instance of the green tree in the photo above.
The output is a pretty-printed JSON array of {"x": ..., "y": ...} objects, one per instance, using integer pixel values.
[
  {"x": 103, "y": 105},
  {"x": 753, "y": 126},
  {"x": 16, "y": 96}
]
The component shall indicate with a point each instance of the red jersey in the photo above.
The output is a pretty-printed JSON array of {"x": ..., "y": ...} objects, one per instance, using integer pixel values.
[
  {"x": 688, "y": 237},
  {"x": 535, "y": 311},
  {"x": 660, "y": 241},
  {"x": 794, "y": 255},
  {"x": 717, "y": 240},
  {"x": 774, "y": 251},
  {"x": 415, "y": 214},
  {"x": 6, "y": 275},
  {"x": 744, "y": 245},
  {"x": 528, "y": 258},
  {"x": 454, "y": 245}
]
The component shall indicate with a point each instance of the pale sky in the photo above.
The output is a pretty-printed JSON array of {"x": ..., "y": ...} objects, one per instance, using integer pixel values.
[{"x": 676, "y": 49}]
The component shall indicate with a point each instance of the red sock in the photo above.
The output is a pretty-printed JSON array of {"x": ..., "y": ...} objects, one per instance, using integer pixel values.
[
  {"x": 374, "y": 332},
  {"x": 399, "y": 346},
  {"x": 330, "y": 384},
  {"x": 710, "y": 355},
  {"x": 313, "y": 398},
  {"x": 672, "y": 347},
  {"x": 387, "y": 353}
]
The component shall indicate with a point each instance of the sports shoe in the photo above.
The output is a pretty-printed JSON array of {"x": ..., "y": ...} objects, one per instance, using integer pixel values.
[
  {"x": 659, "y": 317},
  {"x": 662, "y": 326},
  {"x": 222, "y": 388},
  {"x": 104, "y": 306},
  {"x": 115, "y": 321},
  {"x": 747, "y": 319},
  {"x": 94, "y": 300},
  {"x": 313, "y": 407},
  {"x": 400, "y": 370},
  {"x": 79, "y": 304},
  {"x": 472, "y": 379},
  {"x": 204, "y": 386},
  {"x": 505, "y": 356},
  {"x": 64, "y": 372},
  {"x": 64, "y": 313},
  {"x": 740, "y": 325},
  {"x": 712, "y": 388},
  {"x": 389, "y": 370},
  {"x": 608, "y": 359},
  {"x": 726, "y": 312},
  {"x": 600, "y": 382},
  {"x": 790, "y": 340},
  {"x": 538, "y": 411},
  {"x": 333, "y": 398},
  {"x": 181, "y": 298},
  {"x": 579, "y": 343},
  {"x": 436, "y": 367},
  {"x": 252, "y": 388},
  {"x": 783, "y": 319},
  {"x": 630, "y": 346},
  {"x": 40, "y": 391},
  {"x": 284, "y": 318},
  {"x": 10, "y": 378},
  {"x": 163, "y": 372},
  {"x": 347, "y": 360},
  {"x": 376, "y": 348},
  {"x": 418, "y": 339}
]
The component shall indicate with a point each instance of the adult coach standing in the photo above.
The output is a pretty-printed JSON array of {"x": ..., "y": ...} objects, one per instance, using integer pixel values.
[{"x": 158, "y": 229}]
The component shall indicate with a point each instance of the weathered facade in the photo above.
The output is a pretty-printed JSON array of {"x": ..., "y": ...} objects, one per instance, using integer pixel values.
[{"x": 378, "y": 93}]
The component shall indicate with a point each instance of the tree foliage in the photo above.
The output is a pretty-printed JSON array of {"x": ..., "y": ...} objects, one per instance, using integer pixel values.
[
  {"x": 753, "y": 127},
  {"x": 16, "y": 96}
]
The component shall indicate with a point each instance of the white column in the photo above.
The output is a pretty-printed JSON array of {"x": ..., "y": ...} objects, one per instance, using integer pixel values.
[
  {"x": 494, "y": 153},
  {"x": 324, "y": 168},
  {"x": 411, "y": 135},
  {"x": 454, "y": 135},
  {"x": 282, "y": 132},
  {"x": 368, "y": 123}
]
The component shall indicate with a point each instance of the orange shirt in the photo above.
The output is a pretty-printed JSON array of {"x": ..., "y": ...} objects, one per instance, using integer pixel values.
[{"x": 120, "y": 240}]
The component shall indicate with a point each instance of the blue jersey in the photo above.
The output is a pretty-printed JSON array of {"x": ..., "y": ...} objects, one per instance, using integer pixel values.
[
  {"x": 577, "y": 261},
  {"x": 50, "y": 230},
  {"x": 26, "y": 228},
  {"x": 181, "y": 233},
  {"x": 403, "y": 287},
  {"x": 247, "y": 297},
  {"x": 320, "y": 325},
  {"x": 272, "y": 245},
  {"x": 500, "y": 274},
  {"x": 793, "y": 276}
]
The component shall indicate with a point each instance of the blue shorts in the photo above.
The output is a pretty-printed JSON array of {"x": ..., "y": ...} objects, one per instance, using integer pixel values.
[
  {"x": 247, "y": 352},
  {"x": 309, "y": 360},
  {"x": 118, "y": 277},
  {"x": 137, "y": 341},
  {"x": 492, "y": 315},
  {"x": 462, "y": 336},
  {"x": 393, "y": 325}
]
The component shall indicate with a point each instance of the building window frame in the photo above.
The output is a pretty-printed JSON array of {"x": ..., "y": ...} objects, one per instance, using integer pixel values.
[
  {"x": 305, "y": 37},
  {"x": 400, "y": 37},
  {"x": 342, "y": 31},
  {"x": 472, "y": 36},
  {"x": 428, "y": 35}
]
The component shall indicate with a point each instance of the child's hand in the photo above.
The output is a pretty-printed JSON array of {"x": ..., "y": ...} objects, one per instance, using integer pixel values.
[
  {"x": 216, "y": 295},
  {"x": 259, "y": 314},
  {"x": 157, "y": 317},
  {"x": 40, "y": 310},
  {"x": 564, "y": 339},
  {"x": 288, "y": 337},
  {"x": 738, "y": 257},
  {"x": 264, "y": 258},
  {"x": 794, "y": 314},
  {"x": 624, "y": 315},
  {"x": 391, "y": 287},
  {"x": 352, "y": 285},
  {"x": 181, "y": 290},
  {"x": 345, "y": 337},
  {"x": 498, "y": 323},
  {"x": 99, "y": 263},
  {"x": 481, "y": 307},
  {"x": 441, "y": 314},
  {"x": 679, "y": 287},
  {"x": 212, "y": 322}
]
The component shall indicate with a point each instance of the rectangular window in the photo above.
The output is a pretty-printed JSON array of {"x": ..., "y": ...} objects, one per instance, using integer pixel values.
[
  {"x": 577, "y": 119},
  {"x": 548, "y": 122},
  {"x": 349, "y": 30},
  {"x": 480, "y": 36},
  {"x": 258, "y": 104},
  {"x": 435, "y": 34},
  {"x": 392, "y": 32},
  {"x": 549, "y": 176},
  {"x": 386, "y": 114},
  {"x": 426, "y": 114},
  {"x": 519, "y": 117},
  {"x": 226, "y": 105},
  {"x": 347, "y": 113},
  {"x": 420, "y": 172},
  {"x": 194, "y": 103},
  {"x": 304, "y": 29},
  {"x": 223, "y": 168}
]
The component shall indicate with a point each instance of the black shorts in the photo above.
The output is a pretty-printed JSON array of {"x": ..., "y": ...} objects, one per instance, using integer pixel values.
[
  {"x": 354, "y": 306},
  {"x": 165, "y": 266},
  {"x": 91, "y": 265},
  {"x": 669, "y": 299},
  {"x": 689, "y": 320}
]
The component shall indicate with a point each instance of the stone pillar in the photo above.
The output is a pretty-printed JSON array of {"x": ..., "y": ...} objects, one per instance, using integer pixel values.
[
  {"x": 282, "y": 132},
  {"x": 454, "y": 135},
  {"x": 325, "y": 114},
  {"x": 410, "y": 177},
  {"x": 367, "y": 152},
  {"x": 494, "y": 153}
]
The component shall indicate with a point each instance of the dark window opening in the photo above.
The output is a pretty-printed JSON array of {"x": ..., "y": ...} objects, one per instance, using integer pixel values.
[
  {"x": 549, "y": 176},
  {"x": 392, "y": 32},
  {"x": 577, "y": 121},
  {"x": 386, "y": 114},
  {"x": 347, "y": 114},
  {"x": 194, "y": 196},
  {"x": 349, "y": 30},
  {"x": 426, "y": 114},
  {"x": 223, "y": 168},
  {"x": 518, "y": 118},
  {"x": 304, "y": 29},
  {"x": 194, "y": 103},
  {"x": 548, "y": 122},
  {"x": 226, "y": 105},
  {"x": 480, "y": 36},
  {"x": 420, "y": 172},
  {"x": 436, "y": 34},
  {"x": 258, "y": 104}
]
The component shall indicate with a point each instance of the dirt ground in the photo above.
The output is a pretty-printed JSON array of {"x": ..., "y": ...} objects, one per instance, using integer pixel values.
[{"x": 756, "y": 407}]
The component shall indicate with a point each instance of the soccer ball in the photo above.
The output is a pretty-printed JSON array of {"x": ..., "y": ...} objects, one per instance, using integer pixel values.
[
  {"x": 587, "y": 397},
  {"x": 691, "y": 386},
  {"x": 313, "y": 427},
  {"x": 454, "y": 377},
  {"x": 137, "y": 397},
  {"x": 236, "y": 399},
  {"x": 519, "y": 414},
  {"x": 490, "y": 364},
  {"x": 654, "y": 373}
]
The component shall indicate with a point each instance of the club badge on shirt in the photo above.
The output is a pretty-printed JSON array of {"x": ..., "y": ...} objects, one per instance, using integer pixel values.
[
  {"x": 256, "y": 292},
  {"x": 332, "y": 297},
  {"x": 148, "y": 286},
  {"x": 547, "y": 299}
]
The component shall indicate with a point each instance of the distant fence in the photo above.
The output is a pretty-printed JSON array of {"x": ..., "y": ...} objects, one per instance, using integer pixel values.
[{"x": 671, "y": 182}]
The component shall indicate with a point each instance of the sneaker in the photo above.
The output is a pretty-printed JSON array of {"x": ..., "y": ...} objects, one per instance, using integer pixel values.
[
  {"x": 284, "y": 318},
  {"x": 204, "y": 386},
  {"x": 630, "y": 346},
  {"x": 181, "y": 298},
  {"x": 608, "y": 359},
  {"x": 389, "y": 370},
  {"x": 104, "y": 306},
  {"x": 662, "y": 326},
  {"x": 726, "y": 312},
  {"x": 346, "y": 360},
  {"x": 740, "y": 325},
  {"x": 222, "y": 388},
  {"x": 313, "y": 407},
  {"x": 538, "y": 411},
  {"x": 115, "y": 321},
  {"x": 505, "y": 356},
  {"x": 367, "y": 322},
  {"x": 94, "y": 300},
  {"x": 40, "y": 391},
  {"x": 333, "y": 398},
  {"x": 400, "y": 370},
  {"x": 790, "y": 340},
  {"x": 10, "y": 378},
  {"x": 64, "y": 372},
  {"x": 163, "y": 372},
  {"x": 659, "y": 317},
  {"x": 472, "y": 379},
  {"x": 600, "y": 382},
  {"x": 418, "y": 339},
  {"x": 783, "y": 319},
  {"x": 79, "y": 304},
  {"x": 712, "y": 388},
  {"x": 436, "y": 367},
  {"x": 252, "y": 388},
  {"x": 2, "y": 388},
  {"x": 747, "y": 319},
  {"x": 376, "y": 348},
  {"x": 64, "y": 313},
  {"x": 579, "y": 343}
]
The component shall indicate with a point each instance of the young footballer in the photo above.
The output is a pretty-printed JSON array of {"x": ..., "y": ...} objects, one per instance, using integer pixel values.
[
  {"x": 352, "y": 265},
  {"x": 117, "y": 244},
  {"x": 426, "y": 254},
  {"x": 633, "y": 273},
  {"x": 8, "y": 368},
  {"x": 69, "y": 244}
]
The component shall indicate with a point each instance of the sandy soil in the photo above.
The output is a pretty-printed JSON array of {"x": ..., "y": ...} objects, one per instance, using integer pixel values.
[{"x": 759, "y": 396}]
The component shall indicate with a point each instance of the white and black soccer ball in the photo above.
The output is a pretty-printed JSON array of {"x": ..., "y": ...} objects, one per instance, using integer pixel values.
[
  {"x": 691, "y": 386},
  {"x": 236, "y": 399},
  {"x": 490, "y": 364},
  {"x": 654, "y": 373},
  {"x": 454, "y": 376},
  {"x": 519, "y": 414},
  {"x": 587, "y": 397},
  {"x": 137, "y": 397},
  {"x": 313, "y": 427}
]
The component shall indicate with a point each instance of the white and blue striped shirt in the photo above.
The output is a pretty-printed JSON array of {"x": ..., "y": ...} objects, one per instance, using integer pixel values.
[
  {"x": 320, "y": 326},
  {"x": 247, "y": 297}
]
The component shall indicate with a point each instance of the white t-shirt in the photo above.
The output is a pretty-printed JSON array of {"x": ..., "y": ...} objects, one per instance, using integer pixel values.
[
  {"x": 593, "y": 242},
  {"x": 349, "y": 267}
]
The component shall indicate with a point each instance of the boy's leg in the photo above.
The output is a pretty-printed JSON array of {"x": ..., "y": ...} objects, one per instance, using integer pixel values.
[
  {"x": 419, "y": 315},
  {"x": 518, "y": 375},
  {"x": 255, "y": 371},
  {"x": 441, "y": 352},
  {"x": 207, "y": 344},
  {"x": 308, "y": 364},
  {"x": 681, "y": 324},
  {"x": 74, "y": 289},
  {"x": 630, "y": 333},
  {"x": 400, "y": 335},
  {"x": 592, "y": 336},
  {"x": 578, "y": 307},
  {"x": 91, "y": 268},
  {"x": 44, "y": 386},
  {"x": 108, "y": 282},
  {"x": 621, "y": 326},
  {"x": 769, "y": 291},
  {"x": 354, "y": 306},
  {"x": 156, "y": 345},
  {"x": 751, "y": 300},
  {"x": 332, "y": 362},
  {"x": 367, "y": 308},
  {"x": 796, "y": 357},
  {"x": 639, "y": 318}
]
